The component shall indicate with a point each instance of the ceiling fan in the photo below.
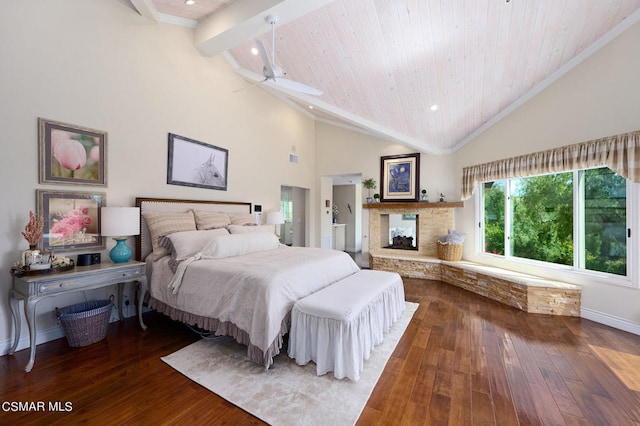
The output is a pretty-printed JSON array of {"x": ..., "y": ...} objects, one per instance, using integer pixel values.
[{"x": 273, "y": 72}]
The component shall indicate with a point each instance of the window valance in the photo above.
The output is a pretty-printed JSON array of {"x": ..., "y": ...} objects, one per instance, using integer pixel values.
[{"x": 621, "y": 153}]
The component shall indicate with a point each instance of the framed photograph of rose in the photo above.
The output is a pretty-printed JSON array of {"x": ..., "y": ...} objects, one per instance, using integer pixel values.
[
  {"x": 71, "y": 154},
  {"x": 71, "y": 219}
]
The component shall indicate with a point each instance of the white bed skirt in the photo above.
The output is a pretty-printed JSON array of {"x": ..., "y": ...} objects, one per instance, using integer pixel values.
[{"x": 343, "y": 346}]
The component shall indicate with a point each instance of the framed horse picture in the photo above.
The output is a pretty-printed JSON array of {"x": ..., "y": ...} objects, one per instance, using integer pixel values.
[{"x": 195, "y": 163}]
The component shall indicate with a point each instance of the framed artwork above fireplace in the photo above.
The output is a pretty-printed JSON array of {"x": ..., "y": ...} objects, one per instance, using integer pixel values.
[{"x": 399, "y": 177}]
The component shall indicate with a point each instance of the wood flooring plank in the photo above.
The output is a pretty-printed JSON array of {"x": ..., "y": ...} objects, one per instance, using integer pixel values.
[
  {"x": 585, "y": 400},
  {"x": 423, "y": 387},
  {"x": 460, "y": 401},
  {"x": 499, "y": 385},
  {"x": 415, "y": 414},
  {"x": 380, "y": 396},
  {"x": 545, "y": 404},
  {"x": 522, "y": 397},
  {"x": 482, "y": 412}
]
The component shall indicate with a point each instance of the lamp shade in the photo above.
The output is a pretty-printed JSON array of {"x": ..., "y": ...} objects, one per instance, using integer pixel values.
[
  {"x": 275, "y": 218},
  {"x": 119, "y": 221}
]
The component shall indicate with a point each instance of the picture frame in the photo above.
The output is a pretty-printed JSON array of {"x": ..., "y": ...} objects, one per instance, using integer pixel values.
[
  {"x": 70, "y": 154},
  {"x": 196, "y": 164},
  {"x": 71, "y": 219},
  {"x": 399, "y": 177}
]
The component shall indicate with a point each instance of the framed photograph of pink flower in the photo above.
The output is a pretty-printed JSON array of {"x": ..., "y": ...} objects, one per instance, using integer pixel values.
[
  {"x": 71, "y": 219},
  {"x": 71, "y": 154}
]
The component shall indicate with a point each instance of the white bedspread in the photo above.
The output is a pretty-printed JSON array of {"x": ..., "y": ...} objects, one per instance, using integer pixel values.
[{"x": 254, "y": 291}]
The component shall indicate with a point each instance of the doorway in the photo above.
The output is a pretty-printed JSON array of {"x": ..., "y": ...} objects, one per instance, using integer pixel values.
[
  {"x": 293, "y": 205},
  {"x": 347, "y": 199}
]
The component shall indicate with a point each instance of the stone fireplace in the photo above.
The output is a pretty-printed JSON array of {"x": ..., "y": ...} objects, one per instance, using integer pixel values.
[
  {"x": 431, "y": 221},
  {"x": 401, "y": 231}
]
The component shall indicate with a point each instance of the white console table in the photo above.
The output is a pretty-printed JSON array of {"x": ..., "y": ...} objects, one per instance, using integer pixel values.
[{"x": 33, "y": 288}]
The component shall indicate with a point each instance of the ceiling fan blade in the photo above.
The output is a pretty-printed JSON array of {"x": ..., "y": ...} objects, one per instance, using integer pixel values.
[
  {"x": 296, "y": 86},
  {"x": 265, "y": 59}
]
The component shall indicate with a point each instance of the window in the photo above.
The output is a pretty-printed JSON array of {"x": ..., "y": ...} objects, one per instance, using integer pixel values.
[
  {"x": 577, "y": 219},
  {"x": 286, "y": 206}
]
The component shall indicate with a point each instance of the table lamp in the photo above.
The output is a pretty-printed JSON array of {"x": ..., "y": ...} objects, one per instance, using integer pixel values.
[
  {"x": 120, "y": 223},
  {"x": 275, "y": 218}
]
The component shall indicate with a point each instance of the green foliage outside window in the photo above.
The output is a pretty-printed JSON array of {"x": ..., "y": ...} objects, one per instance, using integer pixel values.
[{"x": 542, "y": 218}]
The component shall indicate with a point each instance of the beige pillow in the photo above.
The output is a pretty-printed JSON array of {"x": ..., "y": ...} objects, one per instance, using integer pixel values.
[
  {"x": 242, "y": 219},
  {"x": 238, "y": 229},
  {"x": 211, "y": 220},
  {"x": 161, "y": 224}
]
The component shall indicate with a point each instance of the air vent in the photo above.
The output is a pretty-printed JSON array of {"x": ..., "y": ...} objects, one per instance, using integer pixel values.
[{"x": 293, "y": 158}]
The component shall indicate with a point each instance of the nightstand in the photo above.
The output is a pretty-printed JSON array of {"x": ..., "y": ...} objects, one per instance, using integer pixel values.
[{"x": 33, "y": 288}]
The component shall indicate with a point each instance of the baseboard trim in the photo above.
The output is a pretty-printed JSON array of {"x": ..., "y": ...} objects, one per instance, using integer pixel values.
[
  {"x": 46, "y": 335},
  {"x": 610, "y": 320},
  {"x": 43, "y": 336}
]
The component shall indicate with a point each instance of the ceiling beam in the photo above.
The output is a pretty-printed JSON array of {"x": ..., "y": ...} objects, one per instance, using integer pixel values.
[
  {"x": 147, "y": 9},
  {"x": 244, "y": 20}
]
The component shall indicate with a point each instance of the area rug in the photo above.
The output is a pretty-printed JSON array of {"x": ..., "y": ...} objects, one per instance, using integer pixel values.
[{"x": 286, "y": 394}]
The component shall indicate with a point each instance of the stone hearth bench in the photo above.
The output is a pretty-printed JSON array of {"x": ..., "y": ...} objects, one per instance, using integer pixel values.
[
  {"x": 407, "y": 265},
  {"x": 523, "y": 291}
]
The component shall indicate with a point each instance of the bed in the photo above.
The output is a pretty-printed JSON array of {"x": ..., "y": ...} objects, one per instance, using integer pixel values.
[{"x": 210, "y": 266}]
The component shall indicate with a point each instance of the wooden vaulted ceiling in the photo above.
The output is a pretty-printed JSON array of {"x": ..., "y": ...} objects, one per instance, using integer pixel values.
[{"x": 383, "y": 64}]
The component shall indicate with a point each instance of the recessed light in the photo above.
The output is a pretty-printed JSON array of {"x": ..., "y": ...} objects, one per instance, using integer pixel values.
[
  {"x": 434, "y": 107},
  {"x": 254, "y": 50},
  {"x": 189, "y": 2},
  {"x": 310, "y": 106}
]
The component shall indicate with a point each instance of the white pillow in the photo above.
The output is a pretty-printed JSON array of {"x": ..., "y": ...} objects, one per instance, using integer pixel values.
[
  {"x": 186, "y": 244},
  {"x": 239, "y": 244},
  {"x": 455, "y": 237},
  {"x": 246, "y": 229}
]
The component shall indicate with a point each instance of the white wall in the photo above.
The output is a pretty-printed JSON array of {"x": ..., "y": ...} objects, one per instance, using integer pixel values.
[
  {"x": 100, "y": 64},
  {"x": 598, "y": 98},
  {"x": 342, "y": 151}
]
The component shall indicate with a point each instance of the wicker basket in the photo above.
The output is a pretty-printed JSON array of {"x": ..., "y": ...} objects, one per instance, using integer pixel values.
[
  {"x": 448, "y": 251},
  {"x": 85, "y": 323}
]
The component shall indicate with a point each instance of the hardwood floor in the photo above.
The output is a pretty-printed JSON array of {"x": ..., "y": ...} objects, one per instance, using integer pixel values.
[{"x": 463, "y": 360}]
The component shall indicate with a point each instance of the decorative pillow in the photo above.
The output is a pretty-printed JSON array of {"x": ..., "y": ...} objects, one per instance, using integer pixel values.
[
  {"x": 455, "y": 237},
  {"x": 238, "y": 229},
  {"x": 239, "y": 244},
  {"x": 211, "y": 220},
  {"x": 161, "y": 224},
  {"x": 242, "y": 219},
  {"x": 185, "y": 244}
]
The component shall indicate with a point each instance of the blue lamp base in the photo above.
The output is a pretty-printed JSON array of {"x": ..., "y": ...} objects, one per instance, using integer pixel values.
[{"x": 121, "y": 252}]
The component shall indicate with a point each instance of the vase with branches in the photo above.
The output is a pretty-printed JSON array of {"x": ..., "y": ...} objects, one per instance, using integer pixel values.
[
  {"x": 32, "y": 233},
  {"x": 33, "y": 230}
]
